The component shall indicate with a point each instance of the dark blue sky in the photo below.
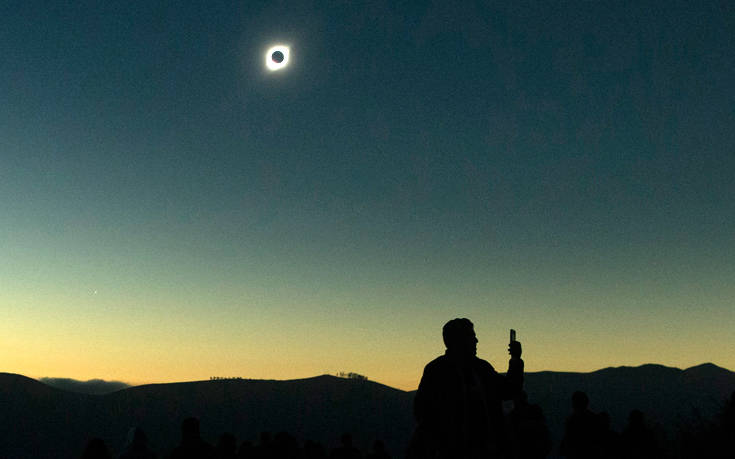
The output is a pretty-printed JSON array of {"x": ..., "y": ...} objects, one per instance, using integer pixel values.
[{"x": 414, "y": 157}]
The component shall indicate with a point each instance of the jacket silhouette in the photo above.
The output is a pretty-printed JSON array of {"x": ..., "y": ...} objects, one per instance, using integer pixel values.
[
  {"x": 529, "y": 435},
  {"x": 582, "y": 431},
  {"x": 458, "y": 405},
  {"x": 137, "y": 447},
  {"x": 345, "y": 450},
  {"x": 96, "y": 449}
]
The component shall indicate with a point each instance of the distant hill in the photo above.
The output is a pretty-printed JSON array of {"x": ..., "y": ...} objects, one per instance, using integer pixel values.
[
  {"x": 93, "y": 386},
  {"x": 36, "y": 419},
  {"x": 43, "y": 422},
  {"x": 319, "y": 408}
]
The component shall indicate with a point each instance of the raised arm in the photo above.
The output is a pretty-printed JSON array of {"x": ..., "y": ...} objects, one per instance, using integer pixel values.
[{"x": 512, "y": 383}]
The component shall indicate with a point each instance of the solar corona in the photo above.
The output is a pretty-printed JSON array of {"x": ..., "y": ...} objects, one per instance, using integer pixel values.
[{"x": 277, "y": 57}]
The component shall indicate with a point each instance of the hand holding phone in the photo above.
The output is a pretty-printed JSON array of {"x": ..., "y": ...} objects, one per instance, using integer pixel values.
[{"x": 514, "y": 348}]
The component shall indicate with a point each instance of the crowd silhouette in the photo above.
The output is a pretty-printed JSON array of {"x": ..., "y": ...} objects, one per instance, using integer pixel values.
[
  {"x": 459, "y": 415},
  {"x": 587, "y": 435},
  {"x": 282, "y": 445}
]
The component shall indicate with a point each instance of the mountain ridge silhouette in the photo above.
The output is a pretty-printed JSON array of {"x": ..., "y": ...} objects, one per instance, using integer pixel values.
[
  {"x": 701, "y": 370},
  {"x": 323, "y": 407}
]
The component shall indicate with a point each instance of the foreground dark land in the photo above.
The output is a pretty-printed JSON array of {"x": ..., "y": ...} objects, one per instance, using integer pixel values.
[{"x": 684, "y": 411}]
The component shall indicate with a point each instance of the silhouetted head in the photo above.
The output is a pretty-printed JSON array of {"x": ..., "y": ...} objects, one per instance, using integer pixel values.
[
  {"x": 378, "y": 446},
  {"x": 190, "y": 429},
  {"x": 459, "y": 337},
  {"x": 521, "y": 400},
  {"x": 137, "y": 439},
  {"x": 580, "y": 401},
  {"x": 285, "y": 443},
  {"x": 96, "y": 449},
  {"x": 636, "y": 419},
  {"x": 245, "y": 448},
  {"x": 314, "y": 449},
  {"x": 535, "y": 412},
  {"x": 227, "y": 444},
  {"x": 346, "y": 439}
]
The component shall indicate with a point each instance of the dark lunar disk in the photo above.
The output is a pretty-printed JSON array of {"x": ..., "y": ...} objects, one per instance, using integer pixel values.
[{"x": 277, "y": 57}]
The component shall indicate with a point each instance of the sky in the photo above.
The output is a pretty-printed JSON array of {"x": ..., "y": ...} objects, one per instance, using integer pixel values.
[{"x": 170, "y": 210}]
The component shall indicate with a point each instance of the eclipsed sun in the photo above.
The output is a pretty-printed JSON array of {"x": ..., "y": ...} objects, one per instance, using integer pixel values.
[{"x": 276, "y": 58}]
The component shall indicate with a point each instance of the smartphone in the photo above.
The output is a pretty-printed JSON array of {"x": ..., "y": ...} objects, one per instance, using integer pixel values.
[{"x": 512, "y": 335}]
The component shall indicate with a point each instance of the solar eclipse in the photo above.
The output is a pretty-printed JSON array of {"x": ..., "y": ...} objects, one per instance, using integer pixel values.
[{"x": 276, "y": 58}]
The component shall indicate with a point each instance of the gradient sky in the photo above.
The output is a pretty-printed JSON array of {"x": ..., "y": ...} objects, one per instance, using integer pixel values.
[{"x": 170, "y": 211}]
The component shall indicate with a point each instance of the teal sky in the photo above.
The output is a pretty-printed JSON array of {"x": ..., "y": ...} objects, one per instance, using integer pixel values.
[{"x": 170, "y": 210}]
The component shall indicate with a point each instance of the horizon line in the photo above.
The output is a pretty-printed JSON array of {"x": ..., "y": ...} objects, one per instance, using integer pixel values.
[{"x": 242, "y": 378}]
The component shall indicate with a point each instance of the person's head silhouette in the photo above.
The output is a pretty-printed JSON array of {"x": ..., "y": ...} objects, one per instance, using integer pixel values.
[
  {"x": 580, "y": 401},
  {"x": 459, "y": 337},
  {"x": 636, "y": 419},
  {"x": 96, "y": 449},
  {"x": 137, "y": 439},
  {"x": 227, "y": 445},
  {"x": 378, "y": 446},
  {"x": 521, "y": 400},
  {"x": 190, "y": 429}
]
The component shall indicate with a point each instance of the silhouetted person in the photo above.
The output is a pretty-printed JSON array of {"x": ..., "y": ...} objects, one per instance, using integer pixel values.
[
  {"x": 264, "y": 449},
  {"x": 728, "y": 413},
  {"x": 458, "y": 405},
  {"x": 137, "y": 445},
  {"x": 378, "y": 451},
  {"x": 726, "y": 441},
  {"x": 582, "y": 436},
  {"x": 285, "y": 446},
  {"x": 246, "y": 450},
  {"x": 529, "y": 434},
  {"x": 609, "y": 440},
  {"x": 226, "y": 447},
  {"x": 96, "y": 449},
  {"x": 345, "y": 450},
  {"x": 192, "y": 446},
  {"x": 638, "y": 441},
  {"x": 314, "y": 450}
]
